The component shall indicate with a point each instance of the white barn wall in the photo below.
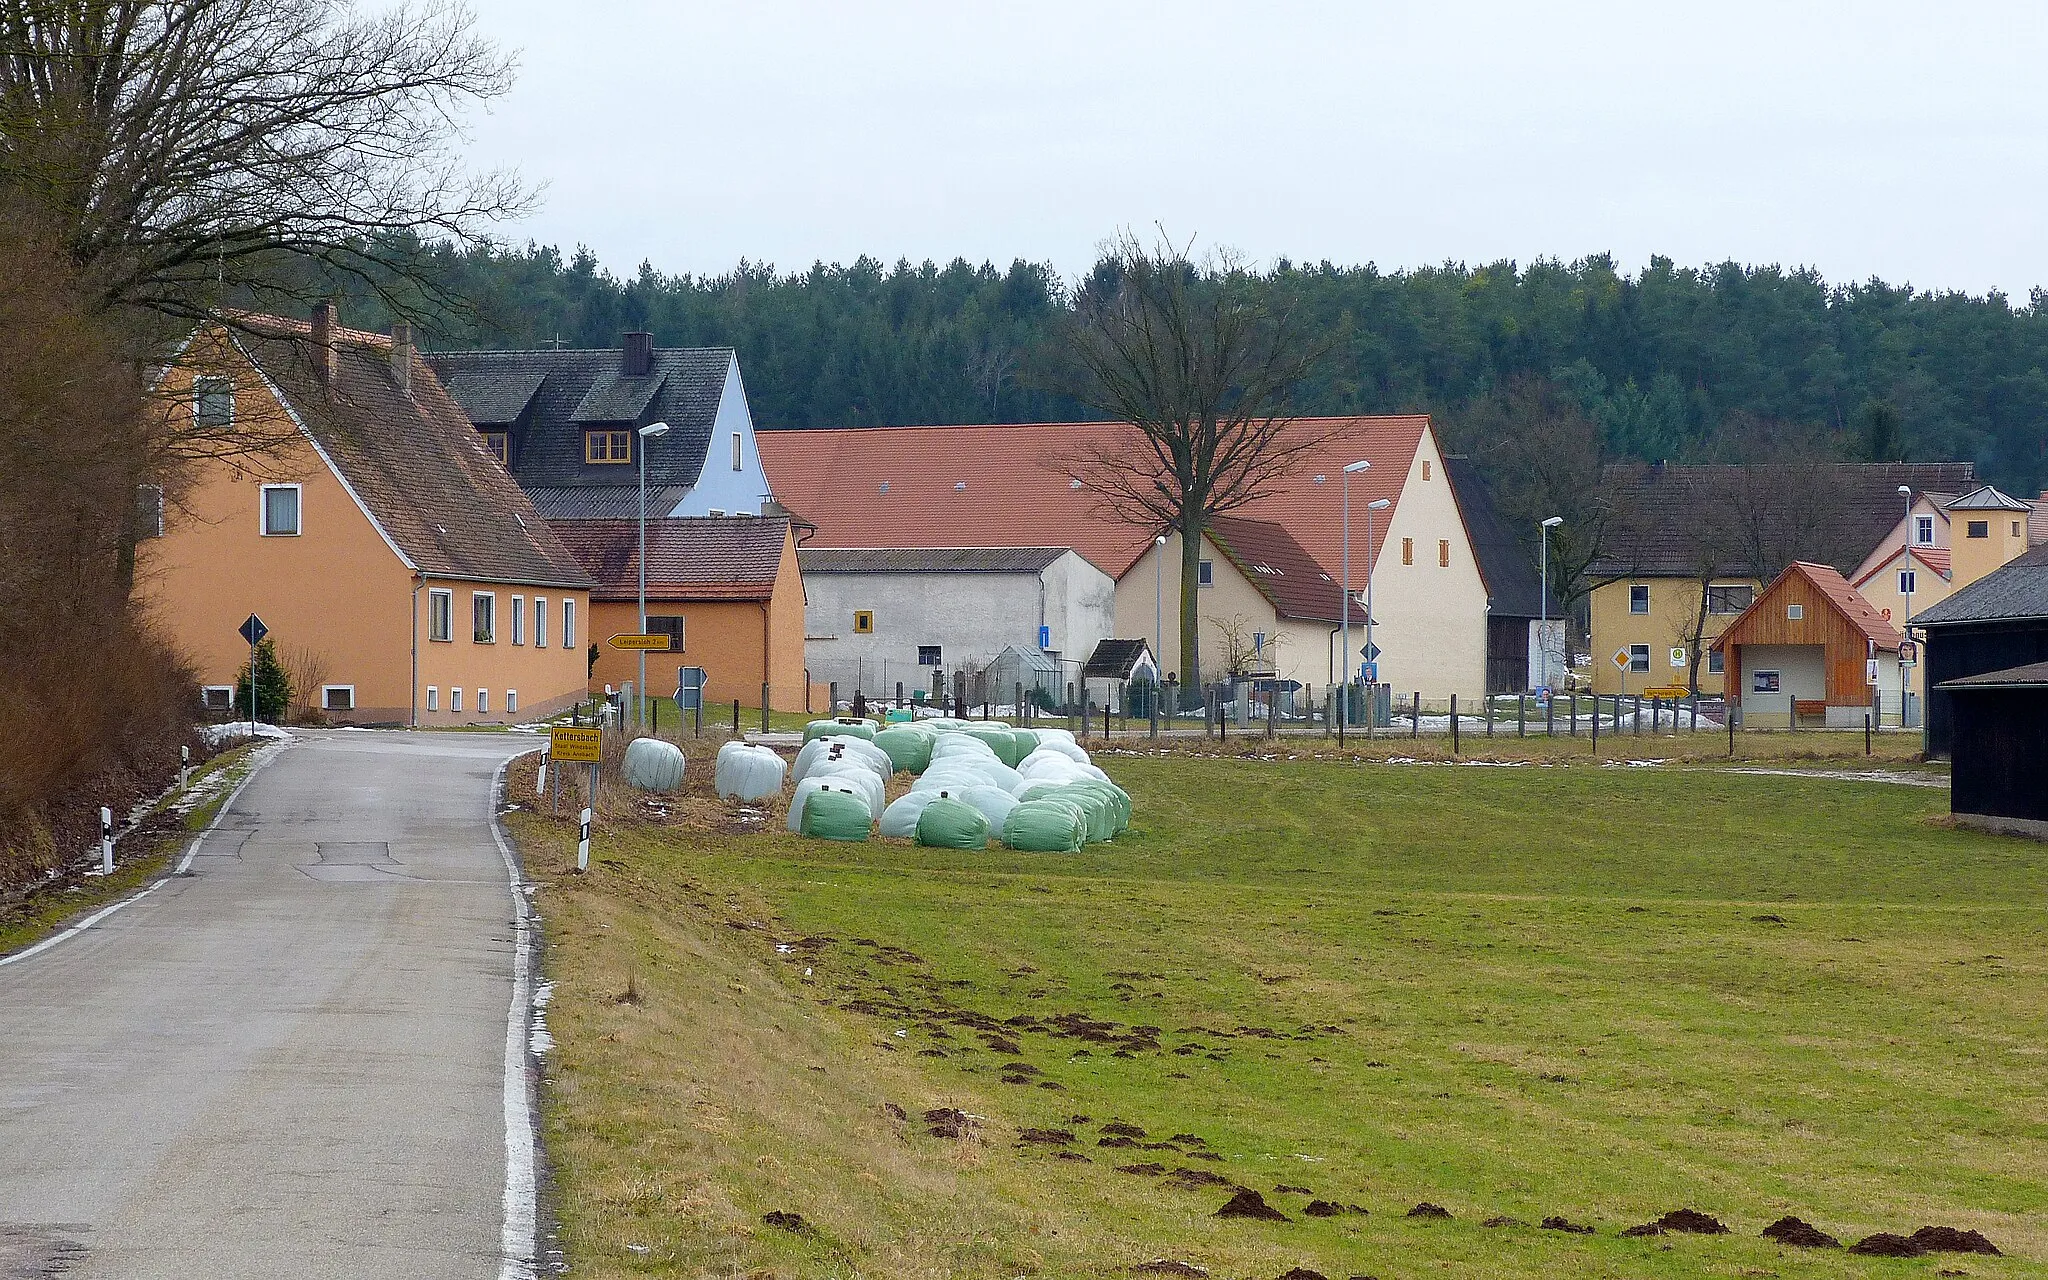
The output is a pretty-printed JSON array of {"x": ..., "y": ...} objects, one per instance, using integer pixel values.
[{"x": 1429, "y": 620}]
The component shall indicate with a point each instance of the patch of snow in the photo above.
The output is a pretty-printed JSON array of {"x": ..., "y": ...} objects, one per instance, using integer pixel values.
[
  {"x": 217, "y": 735},
  {"x": 538, "y": 1039}
]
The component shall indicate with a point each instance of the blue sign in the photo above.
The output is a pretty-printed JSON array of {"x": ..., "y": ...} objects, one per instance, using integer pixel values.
[
  {"x": 1045, "y": 637},
  {"x": 1369, "y": 672}
]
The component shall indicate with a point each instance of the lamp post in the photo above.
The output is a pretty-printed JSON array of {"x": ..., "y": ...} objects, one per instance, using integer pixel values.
[
  {"x": 1377, "y": 504},
  {"x": 1344, "y": 605},
  {"x": 1543, "y": 627},
  {"x": 647, "y": 433},
  {"x": 1159, "y": 609},
  {"x": 1906, "y": 586}
]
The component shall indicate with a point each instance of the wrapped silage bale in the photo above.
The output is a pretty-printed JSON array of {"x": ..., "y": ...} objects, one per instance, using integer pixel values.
[
  {"x": 909, "y": 750},
  {"x": 747, "y": 773},
  {"x": 852, "y": 774},
  {"x": 953, "y": 778},
  {"x": 1049, "y": 734},
  {"x": 831, "y": 814},
  {"x": 899, "y": 820},
  {"x": 1098, "y": 809},
  {"x": 653, "y": 765},
  {"x": 997, "y": 737},
  {"x": 1118, "y": 798},
  {"x": 993, "y": 802},
  {"x": 947, "y": 746},
  {"x": 947, "y": 823},
  {"x": 1048, "y": 763},
  {"x": 843, "y": 727},
  {"x": 1045, "y": 826},
  {"x": 1065, "y": 748},
  {"x": 817, "y": 749}
]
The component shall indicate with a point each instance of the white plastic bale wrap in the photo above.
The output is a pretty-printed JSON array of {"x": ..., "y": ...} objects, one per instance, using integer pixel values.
[
  {"x": 899, "y": 820},
  {"x": 847, "y": 783},
  {"x": 1060, "y": 747},
  {"x": 951, "y": 779},
  {"x": 993, "y": 802},
  {"x": 653, "y": 765},
  {"x": 747, "y": 773},
  {"x": 851, "y": 775},
  {"x": 870, "y": 755}
]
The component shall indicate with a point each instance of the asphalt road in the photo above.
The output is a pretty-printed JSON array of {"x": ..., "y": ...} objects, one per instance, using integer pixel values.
[{"x": 291, "y": 1061}]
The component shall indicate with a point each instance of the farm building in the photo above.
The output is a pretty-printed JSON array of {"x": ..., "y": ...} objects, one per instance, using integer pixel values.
[
  {"x": 1998, "y": 734},
  {"x": 1809, "y": 650},
  {"x": 1998, "y": 622}
]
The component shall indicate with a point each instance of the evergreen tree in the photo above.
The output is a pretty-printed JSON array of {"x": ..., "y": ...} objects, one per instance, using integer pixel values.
[{"x": 273, "y": 686}]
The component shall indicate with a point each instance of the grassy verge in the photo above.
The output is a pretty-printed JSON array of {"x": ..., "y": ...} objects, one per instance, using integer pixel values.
[
  {"x": 140, "y": 857},
  {"x": 1596, "y": 993}
]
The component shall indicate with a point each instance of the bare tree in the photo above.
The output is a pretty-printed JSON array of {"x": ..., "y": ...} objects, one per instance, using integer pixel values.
[
  {"x": 1201, "y": 359},
  {"x": 196, "y": 152}
]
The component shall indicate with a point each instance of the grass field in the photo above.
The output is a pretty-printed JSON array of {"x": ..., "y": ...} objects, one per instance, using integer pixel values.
[{"x": 1590, "y": 991}]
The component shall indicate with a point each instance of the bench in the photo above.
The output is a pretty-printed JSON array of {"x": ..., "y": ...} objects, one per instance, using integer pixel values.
[{"x": 1810, "y": 708}]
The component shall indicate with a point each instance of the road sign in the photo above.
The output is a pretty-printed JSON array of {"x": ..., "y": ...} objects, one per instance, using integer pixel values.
[
  {"x": 252, "y": 629},
  {"x": 1371, "y": 653},
  {"x": 1369, "y": 672},
  {"x": 1045, "y": 637},
  {"x": 1620, "y": 659},
  {"x": 1909, "y": 652},
  {"x": 643, "y": 643},
  {"x": 1677, "y": 656},
  {"x": 575, "y": 746},
  {"x": 1870, "y": 672}
]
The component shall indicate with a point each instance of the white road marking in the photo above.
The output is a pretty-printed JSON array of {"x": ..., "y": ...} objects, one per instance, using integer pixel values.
[{"x": 517, "y": 1241}]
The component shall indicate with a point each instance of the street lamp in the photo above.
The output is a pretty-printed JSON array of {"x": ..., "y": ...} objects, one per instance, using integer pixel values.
[
  {"x": 1159, "y": 618},
  {"x": 1543, "y": 627},
  {"x": 1377, "y": 504},
  {"x": 647, "y": 433},
  {"x": 1344, "y": 605},
  {"x": 1906, "y": 585}
]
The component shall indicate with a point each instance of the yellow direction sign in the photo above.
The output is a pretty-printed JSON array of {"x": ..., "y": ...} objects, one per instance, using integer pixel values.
[
  {"x": 575, "y": 746},
  {"x": 652, "y": 644}
]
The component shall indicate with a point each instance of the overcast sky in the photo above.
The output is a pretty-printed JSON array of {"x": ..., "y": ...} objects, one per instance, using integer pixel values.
[{"x": 1905, "y": 141}]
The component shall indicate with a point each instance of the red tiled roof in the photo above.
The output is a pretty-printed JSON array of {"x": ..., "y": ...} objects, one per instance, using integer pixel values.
[
  {"x": 688, "y": 557},
  {"x": 1935, "y": 558},
  {"x": 1278, "y": 566},
  {"x": 1016, "y": 494},
  {"x": 1859, "y": 612}
]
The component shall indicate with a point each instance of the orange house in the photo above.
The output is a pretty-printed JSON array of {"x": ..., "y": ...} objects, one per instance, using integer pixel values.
[
  {"x": 726, "y": 590},
  {"x": 403, "y": 576},
  {"x": 1809, "y": 649}
]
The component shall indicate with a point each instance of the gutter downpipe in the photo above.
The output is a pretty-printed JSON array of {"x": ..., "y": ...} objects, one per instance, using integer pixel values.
[{"x": 418, "y": 580}]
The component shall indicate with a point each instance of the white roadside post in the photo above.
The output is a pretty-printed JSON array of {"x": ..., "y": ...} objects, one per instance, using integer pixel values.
[
  {"x": 583, "y": 843},
  {"x": 184, "y": 767},
  {"x": 540, "y": 784},
  {"x": 106, "y": 841}
]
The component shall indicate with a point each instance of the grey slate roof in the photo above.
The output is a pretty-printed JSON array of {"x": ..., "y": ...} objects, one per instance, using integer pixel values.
[
  {"x": 2017, "y": 590},
  {"x": 1987, "y": 499},
  {"x": 2034, "y": 675},
  {"x": 580, "y": 389},
  {"x": 927, "y": 559},
  {"x": 1514, "y": 588},
  {"x": 1114, "y": 659},
  {"x": 613, "y": 502}
]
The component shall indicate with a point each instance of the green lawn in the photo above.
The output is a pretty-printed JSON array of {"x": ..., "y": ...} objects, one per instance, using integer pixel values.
[{"x": 1595, "y": 992}]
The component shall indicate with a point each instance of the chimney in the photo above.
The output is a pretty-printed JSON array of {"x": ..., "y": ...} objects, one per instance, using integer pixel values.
[
  {"x": 401, "y": 355},
  {"x": 639, "y": 361},
  {"x": 323, "y": 343}
]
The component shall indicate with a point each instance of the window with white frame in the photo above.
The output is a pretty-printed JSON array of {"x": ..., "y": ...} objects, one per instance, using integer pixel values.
[
  {"x": 511, "y": 702},
  {"x": 149, "y": 511},
  {"x": 540, "y": 622},
  {"x": 1639, "y": 657},
  {"x": 455, "y": 699},
  {"x": 337, "y": 697},
  {"x": 1923, "y": 530},
  {"x": 433, "y": 698},
  {"x": 518, "y": 619},
  {"x": 483, "y": 702},
  {"x": 1795, "y": 612},
  {"x": 735, "y": 451},
  {"x": 213, "y": 404},
  {"x": 483, "y": 608},
  {"x": 1205, "y": 573},
  {"x": 1907, "y": 580},
  {"x": 280, "y": 511},
  {"x": 1639, "y": 599},
  {"x": 440, "y": 614},
  {"x": 568, "y": 624},
  {"x": 218, "y": 697}
]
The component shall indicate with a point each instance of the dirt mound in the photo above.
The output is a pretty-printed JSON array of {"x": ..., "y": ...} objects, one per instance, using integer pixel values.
[
  {"x": 1800, "y": 1233},
  {"x": 1885, "y": 1244},
  {"x": 1428, "y": 1210},
  {"x": 1331, "y": 1209},
  {"x": 1195, "y": 1178},
  {"x": 1502, "y": 1220},
  {"x": 1302, "y": 1273},
  {"x": 1250, "y": 1204},
  {"x": 1072, "y": 1155},
  {"x": 1116, "y": 1140},
  {"x": 1293, "y": 1190},
  {"x": 1689, "y": 1221},
  {"x": 949, "y": 1122},
  {"x": 1168, "y": 1267},
  {"x": 1123, "y": 1129},
  {"x": 1019, "y": 1069},
  {"x": 1557, "y": 1223},
  {"x": 1150, "y": 1169},
  {"x": 785, "y": 1220},
  {"x": 1045, "y": 1137},
  {"x": 1952, "y": 1240}
]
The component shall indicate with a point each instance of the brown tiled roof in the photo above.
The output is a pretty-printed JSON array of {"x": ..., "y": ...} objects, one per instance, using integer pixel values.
[
  {"x": 1275, "y": 563},
  {"x": 981, "y": 486},
  {"x": 688, "y": 557},
  {"x": 412, "y": 458},
  {"x": 1850, "y": 507},
  {"x": 928, "y": 559},
  {"x": 1859, "y": 612}
]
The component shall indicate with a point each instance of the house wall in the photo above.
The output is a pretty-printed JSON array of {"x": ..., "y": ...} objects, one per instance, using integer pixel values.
[
  {"x": 1674, "y": 603},
  {"x": 1843, "y": 649},
  {"x": 721, "y": 487},
  {"x": 1430, "y": 620},
  {"x": 1953, "y": 652},
  {"x": 1230, "y": 601},
  {"x": 2000, "y": 756},
  {"x": 547, "y": 678},
  {"x": 337, "y": 592},
  {"x": 1881, "y": 588},
  {"x": 1080, "y": 606},
  {"x": 2005, "y": 536}
]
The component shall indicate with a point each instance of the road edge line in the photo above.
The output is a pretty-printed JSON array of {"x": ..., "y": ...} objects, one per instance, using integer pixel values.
[
  {"x": 518, "y": 1237},
  {"x": 184, "y": 864}
]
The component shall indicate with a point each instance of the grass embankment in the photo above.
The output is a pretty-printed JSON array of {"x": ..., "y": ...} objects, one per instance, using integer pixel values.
[
  {"x": 1600, "y": 993},
  {"x": 142, "y": 855}
]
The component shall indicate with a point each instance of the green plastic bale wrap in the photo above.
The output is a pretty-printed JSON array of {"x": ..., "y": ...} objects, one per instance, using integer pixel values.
[
  {"x": 846, "y": 727},
  {"x": 999, "y": 739},
  {"x": 1116, "y": 796},
  {"x": 1045, "y": 826},
  {"x": 1027, "y": 742},
  {"x": 910, "y": 750},
  {"x": 1099, "y": 809},
  {"x": 836, "y": 815},
  {"x": 947, "y": 823}
]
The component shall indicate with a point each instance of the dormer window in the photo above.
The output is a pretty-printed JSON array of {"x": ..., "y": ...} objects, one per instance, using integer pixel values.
[
  {"x": 608, "y": 446},
  {"x": 1923, "y": 530},
  {"x": 500, "y": 446}
]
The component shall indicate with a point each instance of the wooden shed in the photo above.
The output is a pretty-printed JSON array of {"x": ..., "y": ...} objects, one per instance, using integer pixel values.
[
  {"x": 1809, "y": 650},
  {"x": 1999, "y": 750}
]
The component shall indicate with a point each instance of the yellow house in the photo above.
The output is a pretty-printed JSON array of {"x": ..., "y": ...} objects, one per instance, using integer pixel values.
[
  {"x": 1642, "y": 629},
  {"x": 402, "y": 575}
]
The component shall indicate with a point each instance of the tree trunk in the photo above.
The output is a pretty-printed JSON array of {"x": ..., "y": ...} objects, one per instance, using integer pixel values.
[
  {"x": 1190, "y": 595},
  {"x": 1692, "y": 649}
]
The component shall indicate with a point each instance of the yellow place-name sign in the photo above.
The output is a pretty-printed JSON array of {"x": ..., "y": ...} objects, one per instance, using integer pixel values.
[
  {"x": 651, "y": 644},
  {"x": 1670, "y": 691},
  {"x": 575, "y": 746}
]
